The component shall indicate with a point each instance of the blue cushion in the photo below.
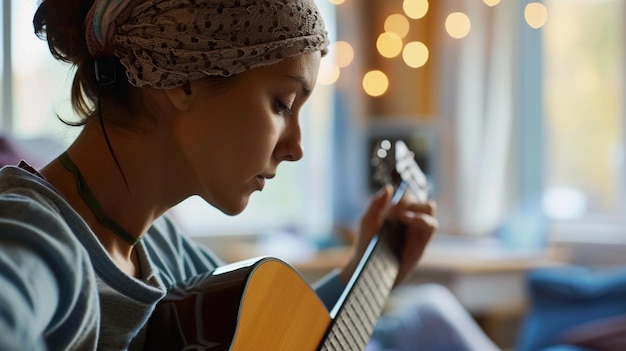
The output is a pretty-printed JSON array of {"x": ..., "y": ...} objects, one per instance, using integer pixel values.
[
  {"x": 563, "y": 297},
  {"x": 564, "y": 348}
]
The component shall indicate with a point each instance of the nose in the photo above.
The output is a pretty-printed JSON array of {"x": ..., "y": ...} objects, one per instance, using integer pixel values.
[
  {"x": 290, "y": 147},
  {"x": 294, "y": 152}
]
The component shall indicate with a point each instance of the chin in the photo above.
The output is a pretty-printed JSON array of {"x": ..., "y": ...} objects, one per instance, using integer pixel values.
[
  {"x": 234, "y": 208},
  {"x": 229, "y": 204}
]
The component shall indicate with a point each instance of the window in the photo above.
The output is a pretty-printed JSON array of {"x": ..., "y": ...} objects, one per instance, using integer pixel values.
[
  {"x": 296, "y": 200},
  {"x": 584, "y": 117},
  {"x": 40, "y": 84}
]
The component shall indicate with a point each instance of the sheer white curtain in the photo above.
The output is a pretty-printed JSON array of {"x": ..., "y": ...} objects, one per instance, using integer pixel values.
[{"x": 477, "y": 120}]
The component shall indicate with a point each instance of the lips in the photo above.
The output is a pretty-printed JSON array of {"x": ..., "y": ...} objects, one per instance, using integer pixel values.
[{"x": 260, "y": 179}]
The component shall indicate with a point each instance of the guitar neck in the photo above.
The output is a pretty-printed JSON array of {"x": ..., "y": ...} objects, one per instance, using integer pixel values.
[{"x": 355, "y": 314}]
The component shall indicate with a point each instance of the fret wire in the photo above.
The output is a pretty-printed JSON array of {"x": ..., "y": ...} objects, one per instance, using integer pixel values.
[
  {"x": 340, "y": 344},
  {"x": 349, "y": 337},
  {"x": 344, "y": 334},
  {"x": 327, "y": 346},
  {"x": 337, "y": 342},
  {"x": 363, "y": 301},
  {"x": 360, "y": 315},
  {"x": 361, "y": 331},
  {"x": 369, "y": 315},
  {"x": 353, "y": 314},
  {"x": 372, "y": 294},
  {"x": 363, "y": 334},
  {"x": 335, "y": 336},
  {"x": 330, "y": 339},
  {"x": 375, "y": 304}
]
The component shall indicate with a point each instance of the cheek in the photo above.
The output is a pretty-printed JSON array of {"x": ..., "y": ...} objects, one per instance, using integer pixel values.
[
  {"x": 193, "y": 153},
  {"x": 233, "y": 143},
  {"x": 198, "y": 143},
  {"x": 259, "y": 130},
  {"x": 258, "y": 141}
]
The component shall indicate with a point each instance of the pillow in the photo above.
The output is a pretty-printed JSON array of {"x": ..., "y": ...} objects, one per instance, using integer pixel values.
[{"x": 564, "y": 297}]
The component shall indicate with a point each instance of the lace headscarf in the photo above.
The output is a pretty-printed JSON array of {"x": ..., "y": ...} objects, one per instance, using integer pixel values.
[{"x": 166, "y": 43}]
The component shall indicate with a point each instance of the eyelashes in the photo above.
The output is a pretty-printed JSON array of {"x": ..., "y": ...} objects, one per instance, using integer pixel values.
[{"x": 281, "y": 107}]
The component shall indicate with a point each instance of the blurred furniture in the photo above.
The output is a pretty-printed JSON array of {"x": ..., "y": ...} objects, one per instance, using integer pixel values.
[
  {"x": 488, "y": 278},
  {"x": 571, "y": 302},
  {"x": 35, "y": 151}
]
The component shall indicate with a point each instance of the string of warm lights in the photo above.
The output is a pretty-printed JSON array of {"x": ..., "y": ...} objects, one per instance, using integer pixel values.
[{"x": 391, "y": 42}]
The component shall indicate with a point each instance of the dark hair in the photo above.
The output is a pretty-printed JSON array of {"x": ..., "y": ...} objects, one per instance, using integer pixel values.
[{"x": 62, "y": 24}]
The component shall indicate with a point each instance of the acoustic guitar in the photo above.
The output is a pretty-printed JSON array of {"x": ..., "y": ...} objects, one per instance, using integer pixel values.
[{"x": 264, "y": 304}]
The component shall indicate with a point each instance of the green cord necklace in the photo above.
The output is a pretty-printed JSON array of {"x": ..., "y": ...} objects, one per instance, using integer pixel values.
[{"x": 91, "y": 202}]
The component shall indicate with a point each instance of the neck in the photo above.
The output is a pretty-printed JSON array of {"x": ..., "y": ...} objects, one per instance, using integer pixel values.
[
  {"x": 134, "y": 206},
  {"x": 92, "y": 202}
]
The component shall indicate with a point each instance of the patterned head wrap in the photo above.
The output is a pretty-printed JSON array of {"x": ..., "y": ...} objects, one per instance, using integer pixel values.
[{"x": 166, "y": 43}]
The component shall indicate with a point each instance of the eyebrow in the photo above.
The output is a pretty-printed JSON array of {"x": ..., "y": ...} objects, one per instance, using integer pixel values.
[{"x": 306, "y": 91}]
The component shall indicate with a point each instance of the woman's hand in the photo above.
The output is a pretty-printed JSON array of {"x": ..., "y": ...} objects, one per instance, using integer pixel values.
[{"x": 420, "y": 225}]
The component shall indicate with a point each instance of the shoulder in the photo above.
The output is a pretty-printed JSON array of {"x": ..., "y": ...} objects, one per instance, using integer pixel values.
[
  {"x": 30, "y": 201},
  {"x": 36, "y": 221},
  {"x": 175, "y": 255},
  {"x": 33, "y": 213},
  {"x": 24, "y": 199},
  {"x": 22, "y": 187},
  {"x": 164, "y": 235},
  {"x": 41, "y": 259}
]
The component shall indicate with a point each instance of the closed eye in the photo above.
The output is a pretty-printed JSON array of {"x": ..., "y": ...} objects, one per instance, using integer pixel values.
[{"x": 281, "y": 107}]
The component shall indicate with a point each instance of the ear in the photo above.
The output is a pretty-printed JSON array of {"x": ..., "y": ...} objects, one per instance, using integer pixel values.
[{"x": 181, "y": 97}]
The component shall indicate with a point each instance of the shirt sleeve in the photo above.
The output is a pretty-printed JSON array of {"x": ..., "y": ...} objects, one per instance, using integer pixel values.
[
  {"x": 22, "y": 322},
  {"x": 43, "y": 275}
]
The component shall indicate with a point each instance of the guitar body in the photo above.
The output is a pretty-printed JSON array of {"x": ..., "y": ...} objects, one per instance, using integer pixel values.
[{"x": 259, "y": 304}]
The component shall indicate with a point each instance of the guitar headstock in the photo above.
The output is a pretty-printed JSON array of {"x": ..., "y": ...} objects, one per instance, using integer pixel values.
[{"x": 394, "y": 163}]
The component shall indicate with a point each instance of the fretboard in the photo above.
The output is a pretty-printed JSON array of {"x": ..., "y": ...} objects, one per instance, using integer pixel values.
[{"x": 358, "y": 309}]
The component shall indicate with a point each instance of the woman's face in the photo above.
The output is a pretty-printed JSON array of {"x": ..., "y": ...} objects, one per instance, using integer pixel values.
[{"x": 234, "y": 137}]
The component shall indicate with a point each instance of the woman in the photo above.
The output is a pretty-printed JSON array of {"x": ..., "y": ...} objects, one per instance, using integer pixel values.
[{"x": 178, "y": 98}]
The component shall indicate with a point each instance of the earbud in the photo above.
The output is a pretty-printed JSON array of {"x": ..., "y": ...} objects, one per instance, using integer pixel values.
[{"x": 105, "y": 70}]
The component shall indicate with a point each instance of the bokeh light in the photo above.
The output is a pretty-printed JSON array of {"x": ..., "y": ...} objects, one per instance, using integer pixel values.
[
  {"x": 344, "y": 53},
  {"x": 389, "y": 44},
  {"x": 415, "y": 9},
  {"x": 397, "y": 23},
  {"x": 415, "y": 54},
  {"x": 491, "y": 2},
  {"x": 458, "y": 25},
  {"x": 536, "y": 15},
  {"x": 375, "y": 83}
]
